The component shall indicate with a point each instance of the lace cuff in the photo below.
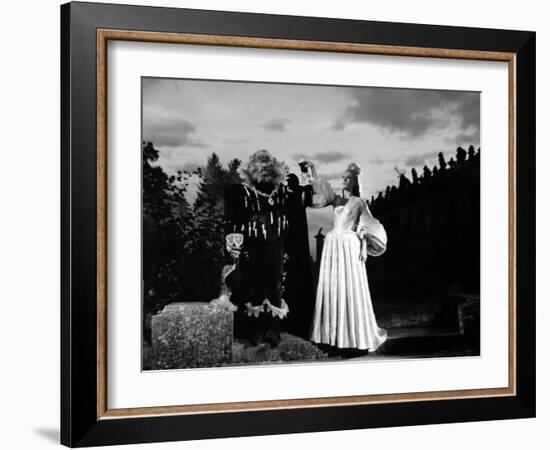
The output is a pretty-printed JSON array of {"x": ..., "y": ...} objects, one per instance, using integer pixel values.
[
  {"x": 253, "y": 310},
  {"x": 276, "y": 311},
  {"x": 280, "y": 312}
]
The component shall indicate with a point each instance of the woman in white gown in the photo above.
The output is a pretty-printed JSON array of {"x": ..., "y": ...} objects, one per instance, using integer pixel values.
[{"x": 343, "y": 315}]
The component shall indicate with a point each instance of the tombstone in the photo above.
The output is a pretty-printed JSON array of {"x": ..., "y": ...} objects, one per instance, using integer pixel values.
[{"x": 193, "y": 334}]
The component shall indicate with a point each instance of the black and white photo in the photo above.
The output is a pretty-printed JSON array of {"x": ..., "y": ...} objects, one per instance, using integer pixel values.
[{"x": 288, "y": 223}]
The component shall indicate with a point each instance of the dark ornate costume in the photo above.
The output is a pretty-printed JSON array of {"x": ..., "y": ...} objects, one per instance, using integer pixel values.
[{"x": 263, "y": 221}]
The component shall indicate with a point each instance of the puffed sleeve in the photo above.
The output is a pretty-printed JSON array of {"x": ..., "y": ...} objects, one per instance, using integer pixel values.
[
  {"x": 323, "y": 195},
  {"x": 371, "y": 232}
]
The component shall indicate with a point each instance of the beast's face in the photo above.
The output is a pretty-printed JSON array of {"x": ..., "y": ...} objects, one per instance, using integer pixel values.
[{"x": 262, "y": 167}]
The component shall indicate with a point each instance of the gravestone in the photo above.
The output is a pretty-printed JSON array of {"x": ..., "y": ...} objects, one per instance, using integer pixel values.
[{"x": 193, "y": 334}]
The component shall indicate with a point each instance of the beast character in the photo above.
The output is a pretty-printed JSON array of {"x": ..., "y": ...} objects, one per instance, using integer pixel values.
[{"x": 256, "y": 222}]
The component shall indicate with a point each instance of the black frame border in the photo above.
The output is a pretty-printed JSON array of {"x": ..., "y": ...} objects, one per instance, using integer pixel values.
[{"x": 79, "y": 423}]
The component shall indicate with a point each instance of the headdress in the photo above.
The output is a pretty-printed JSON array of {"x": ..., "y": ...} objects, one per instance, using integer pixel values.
[{"x": 354, "y": 169}]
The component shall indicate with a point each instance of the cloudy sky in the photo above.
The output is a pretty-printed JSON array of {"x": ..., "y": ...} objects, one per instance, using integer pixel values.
[{"x": 380, "y": 129}]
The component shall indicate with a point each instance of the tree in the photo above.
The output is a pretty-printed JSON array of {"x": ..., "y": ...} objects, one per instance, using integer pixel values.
[
  {"x": 183, "y": 245},
  {"x": 414, "y": 174},
  {"x": 163, "y": 206},
  {"x": 232, "y": 173},
  {"x": 460, "y": 155},
  {"x": 213, "y": 182},
  {"x": 442, "y": 163},
  {"x": 205, "y": 246},
  {"x": 404, "y": 182},
  {"x": 426, "y": 174}
]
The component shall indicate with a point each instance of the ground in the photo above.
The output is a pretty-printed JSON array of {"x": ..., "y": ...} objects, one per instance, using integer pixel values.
[{"x": 448, "y": 328}]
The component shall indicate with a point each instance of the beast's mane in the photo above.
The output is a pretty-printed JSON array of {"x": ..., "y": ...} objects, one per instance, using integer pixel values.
[{"x": 246, "y": 172}]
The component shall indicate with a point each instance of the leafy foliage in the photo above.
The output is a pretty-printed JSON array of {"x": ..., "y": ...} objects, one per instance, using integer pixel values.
[{"x": 183, "y": 245}]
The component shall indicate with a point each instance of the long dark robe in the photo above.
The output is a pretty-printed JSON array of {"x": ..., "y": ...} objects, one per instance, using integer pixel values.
[
  {"x": 260, "y": 268},
  {"x": 299, "y": 289}
]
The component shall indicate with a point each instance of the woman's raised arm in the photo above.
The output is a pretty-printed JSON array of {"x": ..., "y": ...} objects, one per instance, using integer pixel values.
[{"x": 323, "y": 195}]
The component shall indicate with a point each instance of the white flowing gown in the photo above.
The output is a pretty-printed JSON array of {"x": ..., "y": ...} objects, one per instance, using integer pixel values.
[{"x": 343, "y": 315}]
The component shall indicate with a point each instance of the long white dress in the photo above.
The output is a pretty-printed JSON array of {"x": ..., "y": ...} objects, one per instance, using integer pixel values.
[{"x": 343, "y": 315}]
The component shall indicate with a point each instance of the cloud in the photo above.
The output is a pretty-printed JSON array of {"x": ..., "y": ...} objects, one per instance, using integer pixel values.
[
  {"x": 236, "y": 141},
  {"x": 468, "y": 109},
  {"x": 277, "y": 124},
  {"x": 322, "y": 157},
  {"x": 190, "y": 167},
  {"x": 408, "y": 160},
  {"x": 465, "y": 138},
  {"x": 419, "y": 160},
  {"x": 411, "y": 112},
  {"x": 378, "y": 161},
  {"x": 389, "y": 160},
  {"x": 333, "y": 176},
  {"x": 170, "y": 132}
]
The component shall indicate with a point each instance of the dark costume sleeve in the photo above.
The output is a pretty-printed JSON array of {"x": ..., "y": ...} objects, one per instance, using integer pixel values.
[
  {"x": 235, "y": 213},
  {"x": 308, "y": 196}
]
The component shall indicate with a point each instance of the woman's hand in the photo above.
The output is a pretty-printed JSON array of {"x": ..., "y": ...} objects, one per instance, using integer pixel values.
[
  {"x": 362, "y": 235},
  {"x": 363, "y": 251},
  {"x": 308, "y": 163},
  {"x": 305, "y": 162}
]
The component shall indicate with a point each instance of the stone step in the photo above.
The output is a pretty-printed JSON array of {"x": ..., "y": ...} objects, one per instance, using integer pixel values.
[
  {"x": 428, "y": 342},
  {"x": 445, "y": 312}
]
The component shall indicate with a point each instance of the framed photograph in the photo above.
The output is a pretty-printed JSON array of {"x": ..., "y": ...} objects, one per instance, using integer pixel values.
[{"x": 276, "y": 224}]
